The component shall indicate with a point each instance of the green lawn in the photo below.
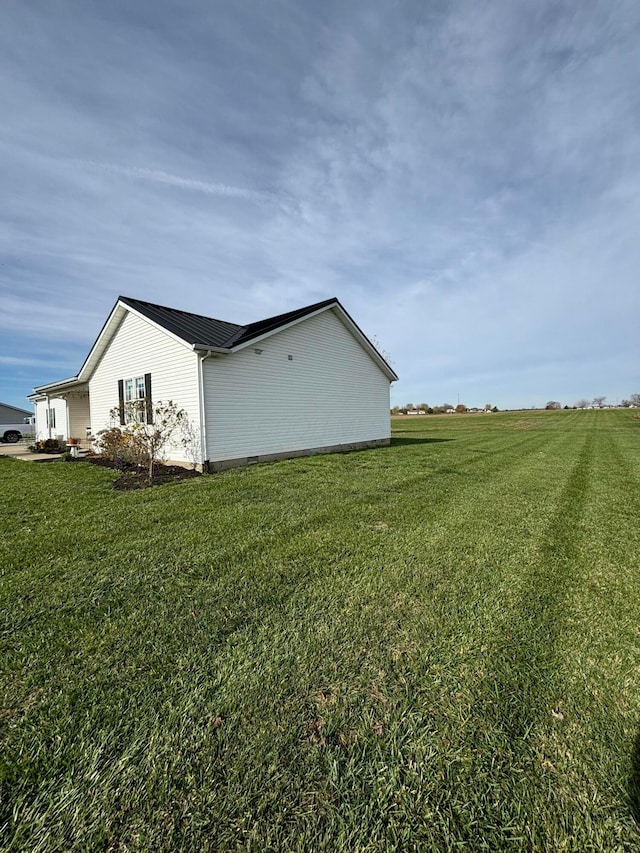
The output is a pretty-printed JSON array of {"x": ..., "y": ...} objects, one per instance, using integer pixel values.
[{"x": 433, "y": 646}]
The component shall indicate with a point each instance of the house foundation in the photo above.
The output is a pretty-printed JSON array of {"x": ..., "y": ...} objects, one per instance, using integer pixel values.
[{"x": 211, "y": 466}]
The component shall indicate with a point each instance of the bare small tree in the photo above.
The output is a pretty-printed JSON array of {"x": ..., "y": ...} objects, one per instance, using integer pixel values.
[
  {"x": 635, "y": 400},
  {"x": 599, "y": 401},
  {"x": 553, "y": 404},
  {"x": 582, "y": 404},
  {"x": 150, "y": 439},
  {"x": 383, "y": 352}
]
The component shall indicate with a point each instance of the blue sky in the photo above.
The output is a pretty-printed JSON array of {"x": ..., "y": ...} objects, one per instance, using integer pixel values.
[{"x": 463, "y": 176}]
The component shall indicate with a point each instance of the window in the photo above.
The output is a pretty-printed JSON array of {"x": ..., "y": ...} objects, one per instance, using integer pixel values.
[
  {"x": 51, "y": 418},
  {"x": 134, "y": 395},
  {"x": 134, "y": 398},
  {"x": 128, "y": 390}
]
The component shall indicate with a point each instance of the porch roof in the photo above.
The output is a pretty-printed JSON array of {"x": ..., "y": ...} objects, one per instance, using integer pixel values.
[{"x": 57, "y": 389}]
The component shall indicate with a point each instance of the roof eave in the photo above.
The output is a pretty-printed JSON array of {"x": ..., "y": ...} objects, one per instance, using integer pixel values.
[
  {"x": 276, "y": 329},
  {"x": 208, "y": 348},
  {"x": 357, "y": 331},
  {"x": 64, "y": 384}
]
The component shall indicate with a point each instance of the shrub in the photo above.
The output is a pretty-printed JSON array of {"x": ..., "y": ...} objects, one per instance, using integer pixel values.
[
  {"x": 119, "y": 447},
  {"x": 49, "y": 445},
  {"x": 143, "y": 443}
]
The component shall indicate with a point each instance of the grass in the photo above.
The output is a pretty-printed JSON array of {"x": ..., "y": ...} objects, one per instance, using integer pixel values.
[{"x": 429, "y": 647}]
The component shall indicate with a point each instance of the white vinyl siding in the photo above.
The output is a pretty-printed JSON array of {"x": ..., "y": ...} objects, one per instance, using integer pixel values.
[
  {"x": 137, "y": 348},
  {"x": 78, "y": 415},
  {"x": 59, "y": 406},
  {"x": 330, "y": 392}
]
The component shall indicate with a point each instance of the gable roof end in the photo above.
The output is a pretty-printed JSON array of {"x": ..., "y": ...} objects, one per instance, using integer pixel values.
[{"x": 264, "y": 328}]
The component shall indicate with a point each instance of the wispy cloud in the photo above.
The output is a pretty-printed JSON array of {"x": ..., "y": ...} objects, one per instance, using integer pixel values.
[
  {"x": 19, "y": 361},
  {"x": 159, "y": 177}
]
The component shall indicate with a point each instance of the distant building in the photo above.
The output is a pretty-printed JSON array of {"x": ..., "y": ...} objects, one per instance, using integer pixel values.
[{"x": 13, "y": 414}]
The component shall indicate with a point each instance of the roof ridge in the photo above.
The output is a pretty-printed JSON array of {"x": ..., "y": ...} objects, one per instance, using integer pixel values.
[
  {"x": 305, "y": 308},
  {"x": 130, "y": 299}
]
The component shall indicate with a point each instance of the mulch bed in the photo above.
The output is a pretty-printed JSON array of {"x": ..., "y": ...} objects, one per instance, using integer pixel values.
[{"x": 132, "y": 477}]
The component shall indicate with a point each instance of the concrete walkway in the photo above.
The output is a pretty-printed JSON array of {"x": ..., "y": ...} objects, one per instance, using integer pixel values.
[{"x": 21, "y": 451}]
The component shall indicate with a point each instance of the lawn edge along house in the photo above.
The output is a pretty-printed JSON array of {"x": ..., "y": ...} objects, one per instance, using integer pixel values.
[{"x": 305, "y": 382}]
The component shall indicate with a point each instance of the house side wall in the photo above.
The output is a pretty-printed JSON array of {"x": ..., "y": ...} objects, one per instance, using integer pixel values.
[
  {"x": 12, "y": 415},
  {"x": 60, "y": 429},
  {"x": 78, "y": 414},
  {"x": 330, "y": 393},
  {"x": 138, "y": 348}
]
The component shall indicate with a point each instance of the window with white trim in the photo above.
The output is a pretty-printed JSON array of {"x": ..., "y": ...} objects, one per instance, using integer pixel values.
[
  {"x": 135, "y": 400},
  {"x": 51, "y": 418}
]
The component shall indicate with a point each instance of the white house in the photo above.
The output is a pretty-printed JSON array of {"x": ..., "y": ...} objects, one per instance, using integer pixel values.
[{"x": 308, "y": 381}]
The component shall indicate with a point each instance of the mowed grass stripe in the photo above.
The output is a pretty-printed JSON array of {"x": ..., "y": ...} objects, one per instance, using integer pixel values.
[
  {"x": 601, "y": 649},
  {"x": 519, "y": 689}
]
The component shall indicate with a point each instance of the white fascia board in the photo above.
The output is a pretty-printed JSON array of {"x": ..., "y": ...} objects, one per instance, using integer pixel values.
[
  {"x": 106, "y": 333},
  {"x": 63, "y": 384},
  {"x": 109, "y": 329},
  {"x": 366, "y": 343},
  {"x": 157, "y": 326},
  {"x": 268, "y": 334}
]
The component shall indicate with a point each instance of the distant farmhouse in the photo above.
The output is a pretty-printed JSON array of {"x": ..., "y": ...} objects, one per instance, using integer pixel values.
[{"x": 308, "y": 381}]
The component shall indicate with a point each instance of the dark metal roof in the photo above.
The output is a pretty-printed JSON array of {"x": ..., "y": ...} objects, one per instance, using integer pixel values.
[
  {"x": 192, "y": 328},
  {"x": 206, "y": 331},
  {"x": 261, "y": 327}
]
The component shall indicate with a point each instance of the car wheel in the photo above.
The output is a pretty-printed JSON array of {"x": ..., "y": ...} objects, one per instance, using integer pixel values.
[{"x": 12, "y": 437}]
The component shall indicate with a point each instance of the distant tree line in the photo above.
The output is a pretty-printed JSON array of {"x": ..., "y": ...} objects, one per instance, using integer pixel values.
[
  {"x": 445, "y": 408},
  {"x": 448, "y": 408},
  {"x": 597, "y": 403}
]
